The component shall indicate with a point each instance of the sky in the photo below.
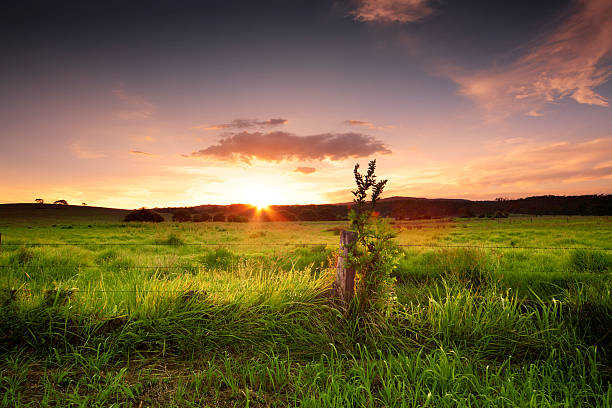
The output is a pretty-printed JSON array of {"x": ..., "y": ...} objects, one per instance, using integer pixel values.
[{"x": 179, "y": 103}]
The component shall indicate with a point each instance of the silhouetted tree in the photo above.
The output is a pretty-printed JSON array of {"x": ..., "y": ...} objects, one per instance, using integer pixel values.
[
  {"x": 143, "y": 215},
  {"x": 61, "y": 202},
  {"x": 237, "y": 218},
  {"x": 219, "y": 217},
  {"x": 39, "y": 201},
  {"x": 201, "y": 217},
  {"x": 181, "y": 216}
]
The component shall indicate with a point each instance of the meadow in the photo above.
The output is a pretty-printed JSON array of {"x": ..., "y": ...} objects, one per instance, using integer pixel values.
[{"x": 485, "y": 312}]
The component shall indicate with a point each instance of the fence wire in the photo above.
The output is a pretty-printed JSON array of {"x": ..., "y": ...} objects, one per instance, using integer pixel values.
[{"x": 295, "y": 244}]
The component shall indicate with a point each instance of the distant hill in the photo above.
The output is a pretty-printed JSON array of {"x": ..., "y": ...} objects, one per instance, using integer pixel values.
[
  {"x": 56, "y": 213},
  {"x": 395, "y": 207},
  {"x": 422, "y": 208}
]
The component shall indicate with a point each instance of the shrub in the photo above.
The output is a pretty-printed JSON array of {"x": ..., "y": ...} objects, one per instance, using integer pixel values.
[
  {"x": 201, "y": 217},
  {"x": 237, "y": 218},
  {"x": 181, "y": 216},
  {"x": 219, "y": 217},
  {"x": 374, "y": 255},
  {"x": 172, "y": 239},
  {"x": 143, "y": 215},
  {"x": 500, "y": 214}
]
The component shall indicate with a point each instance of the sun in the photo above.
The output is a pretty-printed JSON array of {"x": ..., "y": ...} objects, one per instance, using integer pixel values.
[{"x": 262, "y": 196}]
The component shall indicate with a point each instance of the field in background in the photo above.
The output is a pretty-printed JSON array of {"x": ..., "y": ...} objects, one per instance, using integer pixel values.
[{"x": 502, "y": 312}]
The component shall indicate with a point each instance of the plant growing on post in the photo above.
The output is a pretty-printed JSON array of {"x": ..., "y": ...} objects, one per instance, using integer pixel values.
[{"x": 373, "y": 254}]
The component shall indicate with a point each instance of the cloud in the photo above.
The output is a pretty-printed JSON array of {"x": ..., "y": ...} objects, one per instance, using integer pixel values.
[
  {"x": 365, "y": 123},
  {"x": 540, "y": 168},
  {"x": 569, "y": 62},
  {"x": 141, "y": 153},
  {"x": 278, "y": 146},
  {"x": 245, "y": 124},
  {"x": 392, "y": 11},
  {"x": 83, "y": 152},
  {"x": 134, "y": 106},
  {"x": 305, "y": 170}
]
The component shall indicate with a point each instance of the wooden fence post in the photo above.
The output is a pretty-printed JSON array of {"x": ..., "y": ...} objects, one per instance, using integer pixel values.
[{"x": 345, "y": 275}]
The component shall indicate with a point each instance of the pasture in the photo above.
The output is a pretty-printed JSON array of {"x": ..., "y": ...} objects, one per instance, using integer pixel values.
[{"x": 485, "y": 312}]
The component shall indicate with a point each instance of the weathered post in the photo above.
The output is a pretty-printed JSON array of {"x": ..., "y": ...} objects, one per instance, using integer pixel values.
[{"x": 345, "y": 274}]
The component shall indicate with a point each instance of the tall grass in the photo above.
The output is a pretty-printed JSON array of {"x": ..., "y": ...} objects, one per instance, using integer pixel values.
[{"x": 177, "y": 324}]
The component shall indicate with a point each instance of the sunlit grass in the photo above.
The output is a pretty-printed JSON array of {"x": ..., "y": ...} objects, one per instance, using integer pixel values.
[{"x": 252, "y": 324}]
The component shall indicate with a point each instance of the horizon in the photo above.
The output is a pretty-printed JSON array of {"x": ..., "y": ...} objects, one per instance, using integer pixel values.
[
  {"x": 160, "y": 104},
  {"x": 349, "y": 203}
]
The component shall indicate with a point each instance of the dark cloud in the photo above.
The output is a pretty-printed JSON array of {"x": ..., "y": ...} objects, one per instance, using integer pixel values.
[
  {"x": 278, "y": 146},
  {"x": 245, "y": 124},
  {"x": 305, "y": 170}
]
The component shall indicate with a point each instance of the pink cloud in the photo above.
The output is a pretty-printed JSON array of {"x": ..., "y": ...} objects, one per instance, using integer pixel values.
[
  {"x": 366, "y": 124},
  {"x": 392, "y": 11},
  {"x": 305, "y": 170},
  {"x": 539, "y": 168},
  {"x": 569, "y": 62},
  {"x": 279, "y": 146}
]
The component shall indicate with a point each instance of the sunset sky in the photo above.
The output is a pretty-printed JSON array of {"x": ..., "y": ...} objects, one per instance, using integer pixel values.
[{"x": 175, "y": 103}]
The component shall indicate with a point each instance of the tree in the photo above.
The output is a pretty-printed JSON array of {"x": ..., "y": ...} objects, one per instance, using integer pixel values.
[
  {"x": 181, "y": 216},
  {"x": 39, "y": 201},
  {"x": 373, "y": 254},
  {"x": 143, "y": 215},
  {"x": 237, "y": 218},
  {"x": 61, "y": 202},
  {"x": 201, "y": 217},
  {"x": 220, "y": 217}
]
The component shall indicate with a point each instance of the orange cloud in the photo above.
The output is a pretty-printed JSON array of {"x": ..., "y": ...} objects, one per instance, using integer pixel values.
[
  {"x": 279, "y": 146},
  {"x": 569, "y": 62},
  {"x": 305, "y": 170},
  {"x": 365, "y": 123},
  {"x": 392, "y": 11},
  {"x": 540, "y": 168},
  {"x": 244, "y": 124},
  {"x": 141, "y": 153}
]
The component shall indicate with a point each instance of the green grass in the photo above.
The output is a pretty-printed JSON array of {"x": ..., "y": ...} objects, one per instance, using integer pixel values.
[{"x": 247, "y": 320}]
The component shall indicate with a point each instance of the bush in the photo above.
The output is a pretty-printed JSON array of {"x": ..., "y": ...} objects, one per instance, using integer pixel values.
[
  {"x": 237, "y": 218},
  {"x": 201, "y": 217},
  {"x": 143, "y": 215},
  {"x": 181, "y": 216},
  {"x": 500, "y": 214},
  {"x": 373, "y": 254},
  {"x": 219, "y": 217}
]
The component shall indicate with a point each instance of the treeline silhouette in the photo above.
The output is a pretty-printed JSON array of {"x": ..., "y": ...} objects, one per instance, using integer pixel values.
[{"x": 402, "y": 208}]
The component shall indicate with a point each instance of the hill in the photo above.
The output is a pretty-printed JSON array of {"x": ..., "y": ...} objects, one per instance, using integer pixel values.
[{"x": 54, "y": 213}]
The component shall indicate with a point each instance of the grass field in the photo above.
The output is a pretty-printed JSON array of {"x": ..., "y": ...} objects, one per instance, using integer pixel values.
[{"x": 96, "y": 312}]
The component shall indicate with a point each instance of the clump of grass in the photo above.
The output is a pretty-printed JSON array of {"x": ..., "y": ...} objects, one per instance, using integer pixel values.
[
  {"x": 219, "y": 258},
  {"x": 466, "y": 265},
  {"x": 172, "y": 239},
  {"x": 585, "y": 260},
  {"x": 22, "y": 256}
]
